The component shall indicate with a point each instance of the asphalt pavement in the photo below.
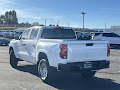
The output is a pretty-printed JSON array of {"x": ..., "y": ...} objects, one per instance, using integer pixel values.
[{"x": 25, "y": 77}]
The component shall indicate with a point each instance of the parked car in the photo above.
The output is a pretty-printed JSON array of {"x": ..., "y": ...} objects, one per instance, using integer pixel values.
[
  {"x": 8, "y": 34},
  {"x": 18, "y": 32},
  {"x": 17, "y": 35},
  {"x": 84, "y": 36},
  {"x": 54, "y": 48},
  {"x": 113, "y": 38},
  {"x": 4, "y": 40}
]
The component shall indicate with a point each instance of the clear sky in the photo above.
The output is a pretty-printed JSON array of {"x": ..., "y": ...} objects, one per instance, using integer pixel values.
[{"x": 98, "y": 12}]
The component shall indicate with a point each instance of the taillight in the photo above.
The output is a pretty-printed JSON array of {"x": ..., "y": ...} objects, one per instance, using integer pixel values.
[
  {"x": 108, "y": 50},
  {"x": 63, "y": 52}
]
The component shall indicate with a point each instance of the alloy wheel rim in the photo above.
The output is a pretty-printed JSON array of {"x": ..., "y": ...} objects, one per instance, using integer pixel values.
[{"x": 43, "y": 71}]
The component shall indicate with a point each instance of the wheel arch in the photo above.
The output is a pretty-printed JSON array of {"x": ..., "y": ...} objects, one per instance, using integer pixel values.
[
  {"x": 42, "y": 55},
  {"x": 10, "y": 48}
]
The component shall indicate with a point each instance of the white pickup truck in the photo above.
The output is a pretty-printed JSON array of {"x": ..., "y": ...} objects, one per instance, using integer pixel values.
[{"x": 57, "y": 48}]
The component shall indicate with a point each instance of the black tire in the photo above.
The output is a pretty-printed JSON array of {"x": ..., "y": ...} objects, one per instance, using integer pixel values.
[
  {"x": 13, "y": 59},
  {"x": 88, "y": 74},
  {"x": 48, "y": 71}
]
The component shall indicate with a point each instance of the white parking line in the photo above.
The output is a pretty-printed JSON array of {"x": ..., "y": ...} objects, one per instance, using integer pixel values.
[{"x": 21, "y": 87}]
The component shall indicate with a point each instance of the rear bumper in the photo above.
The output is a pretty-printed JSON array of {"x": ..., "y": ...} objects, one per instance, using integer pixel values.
[{"x": 80, "y": 66}]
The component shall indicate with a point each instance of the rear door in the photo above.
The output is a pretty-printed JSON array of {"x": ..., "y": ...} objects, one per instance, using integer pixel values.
[
  {"x": 31, "y": 44},
  {"x": 79, "y": 51}
]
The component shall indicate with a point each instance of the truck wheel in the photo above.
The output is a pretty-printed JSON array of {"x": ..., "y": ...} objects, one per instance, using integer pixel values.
[
  {"x": 13, "y": 59},
  {"x": 44, "y": 70},
  {"x": 88, "y": 74}
]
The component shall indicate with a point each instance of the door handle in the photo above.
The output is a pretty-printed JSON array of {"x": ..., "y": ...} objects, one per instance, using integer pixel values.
[
  {"x": 33, "y": 45},
  {"x": 89, "y": 44},
  {"x": 24, "y": 44}
]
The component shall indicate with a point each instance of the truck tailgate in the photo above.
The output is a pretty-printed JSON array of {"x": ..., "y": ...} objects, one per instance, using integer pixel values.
[{"x": 80, "y": 51}]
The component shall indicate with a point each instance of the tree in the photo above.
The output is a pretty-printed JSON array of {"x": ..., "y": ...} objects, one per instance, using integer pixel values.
[
  {"x": 41, "y": 25},
  {"x": 35, "y": 24},
  {"x": 6, "y": 17},
  {"x": 14, "y": 17},
  {"x": 27, "y": 24},
  {"x": 2, "y": 19},
  {"x": 50, "y": 25},
  {"x": 11, "y": 18}
]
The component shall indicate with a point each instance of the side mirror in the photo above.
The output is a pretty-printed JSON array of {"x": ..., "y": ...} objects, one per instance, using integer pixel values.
[
  {"x": 19, "y": 38},
  {"x": 16, "y": 38}
]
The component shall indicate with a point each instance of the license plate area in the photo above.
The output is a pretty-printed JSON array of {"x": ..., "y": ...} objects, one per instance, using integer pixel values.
[{"x": 88, "y": 65}]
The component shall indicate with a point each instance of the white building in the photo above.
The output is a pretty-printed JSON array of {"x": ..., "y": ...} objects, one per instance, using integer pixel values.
[{"x": 115, "y": 29}]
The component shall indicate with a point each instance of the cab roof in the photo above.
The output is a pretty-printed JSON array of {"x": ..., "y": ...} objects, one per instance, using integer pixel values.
[{"x": 52, "y": 27}]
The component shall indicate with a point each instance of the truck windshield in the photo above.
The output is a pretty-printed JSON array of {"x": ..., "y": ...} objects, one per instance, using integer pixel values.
[{"x": 58, "y": 34}]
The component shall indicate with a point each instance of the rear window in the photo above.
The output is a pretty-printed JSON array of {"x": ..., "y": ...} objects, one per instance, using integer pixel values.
[
  {"x": 58, "y": 34},
  {"x": 110, "y": 35}
]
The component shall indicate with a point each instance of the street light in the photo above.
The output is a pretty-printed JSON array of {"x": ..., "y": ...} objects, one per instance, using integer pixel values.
[
  {"x": 58, "y": 23},
  {"x": 83, "y": 20}
]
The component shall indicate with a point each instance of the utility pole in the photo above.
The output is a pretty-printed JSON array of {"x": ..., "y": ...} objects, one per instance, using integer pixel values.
[
  {"x": 58, "y": 23},
  {"x": 68, "y": 24},
  {"x": 83, "y": 20},
  {"x": 105, "y": 26},
  {"x": 45, "y": 21}
]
